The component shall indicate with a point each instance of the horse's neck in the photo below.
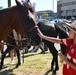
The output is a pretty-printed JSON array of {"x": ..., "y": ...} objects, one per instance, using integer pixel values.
[
  {"x": 7, "y": 17},
  {"x": 8, "y": 10}
]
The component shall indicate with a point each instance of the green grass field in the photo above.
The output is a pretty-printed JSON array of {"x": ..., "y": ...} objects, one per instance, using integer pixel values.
[{"x": 34, "y": 64}]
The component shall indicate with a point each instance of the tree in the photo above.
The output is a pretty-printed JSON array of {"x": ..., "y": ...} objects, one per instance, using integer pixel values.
[{"x": 45, "y": 15}]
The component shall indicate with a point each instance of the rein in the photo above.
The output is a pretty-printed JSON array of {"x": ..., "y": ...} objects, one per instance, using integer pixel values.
[
  {"x": 33, "y": 28},
  {"x": 19, "y": 45},
  {"x": 6, "y": 44},
  {"x": 19, "y": 42}
]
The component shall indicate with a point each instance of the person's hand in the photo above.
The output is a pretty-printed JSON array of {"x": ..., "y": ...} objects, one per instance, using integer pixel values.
[
  {"x": 63, "y": 23},
  {"x": 62, "y": 56}
]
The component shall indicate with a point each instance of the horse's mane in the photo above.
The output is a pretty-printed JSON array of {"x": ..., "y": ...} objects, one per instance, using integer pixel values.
[
  {"x": 7, "y": 9},
  {"x": 30, "y": 7}
]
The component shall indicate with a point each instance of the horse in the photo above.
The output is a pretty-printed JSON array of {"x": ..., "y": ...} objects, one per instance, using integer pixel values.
[
  {"x": 18, "y": 18},
  {"x": 13, "y": 43},
  {"x": 52, "y": 30}
]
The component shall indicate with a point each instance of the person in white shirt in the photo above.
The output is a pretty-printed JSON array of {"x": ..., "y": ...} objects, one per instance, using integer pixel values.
[{"x": 72, "y": 19}]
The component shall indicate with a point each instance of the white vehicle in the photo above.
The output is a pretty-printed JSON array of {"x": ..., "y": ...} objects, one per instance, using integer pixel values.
[{"x": 55, "y": 21}]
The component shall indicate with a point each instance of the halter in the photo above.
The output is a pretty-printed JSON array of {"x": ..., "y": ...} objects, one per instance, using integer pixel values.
[
  {"x": 19, "y": 45},
  {"x": 23, "y": 24},
  {"x": 33, "y": 28}
]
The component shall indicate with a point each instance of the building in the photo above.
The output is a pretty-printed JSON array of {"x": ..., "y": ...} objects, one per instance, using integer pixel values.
[{"x": 66, "y": 9}]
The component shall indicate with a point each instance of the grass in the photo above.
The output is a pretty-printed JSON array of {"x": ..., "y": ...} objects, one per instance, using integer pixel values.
[{"x": 34, "y": 64}]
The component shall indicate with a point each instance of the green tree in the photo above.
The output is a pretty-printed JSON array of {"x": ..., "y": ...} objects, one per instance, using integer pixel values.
[{"x": 45, "y": 15}]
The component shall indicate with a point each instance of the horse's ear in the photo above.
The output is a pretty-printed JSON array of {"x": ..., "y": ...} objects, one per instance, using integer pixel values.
[{"x": 18, "y": 2}]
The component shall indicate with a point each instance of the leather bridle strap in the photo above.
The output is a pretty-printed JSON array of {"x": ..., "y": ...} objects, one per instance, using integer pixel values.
[
  {"x": 26, "y": 31},
  {"x": 32, "y": 28}
]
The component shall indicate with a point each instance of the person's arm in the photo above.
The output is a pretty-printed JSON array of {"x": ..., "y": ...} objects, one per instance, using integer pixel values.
[
  {"x": 67, "y": 61},
  {"x": 51, "y": 39}
]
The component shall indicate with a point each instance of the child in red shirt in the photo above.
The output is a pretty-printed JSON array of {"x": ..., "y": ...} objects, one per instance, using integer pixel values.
[
  {"x": 70, "y": 55},
  {"x": 69, "y": 65}
]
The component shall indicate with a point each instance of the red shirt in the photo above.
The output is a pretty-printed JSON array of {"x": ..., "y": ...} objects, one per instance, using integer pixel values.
[{"x": 70, "y": 55}]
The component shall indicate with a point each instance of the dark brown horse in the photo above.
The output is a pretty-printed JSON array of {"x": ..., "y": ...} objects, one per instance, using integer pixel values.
[
  {"x": 17, "y": 17},
  {"x": 20, "y": 18}
]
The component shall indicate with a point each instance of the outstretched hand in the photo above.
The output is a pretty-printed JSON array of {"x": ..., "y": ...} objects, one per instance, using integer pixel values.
[
  {"x": 63, "y": 23},
  {"x": 62, "y": 56}
]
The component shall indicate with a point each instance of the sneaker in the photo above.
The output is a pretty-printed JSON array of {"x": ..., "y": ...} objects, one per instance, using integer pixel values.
[{"x": 11, "y": 62}]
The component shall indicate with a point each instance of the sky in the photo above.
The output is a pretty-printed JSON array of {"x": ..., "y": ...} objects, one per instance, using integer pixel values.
[{"x": 40, "y": 4}]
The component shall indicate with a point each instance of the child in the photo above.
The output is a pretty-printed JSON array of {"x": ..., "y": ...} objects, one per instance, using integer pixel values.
[{"x": 69, "y": 65}]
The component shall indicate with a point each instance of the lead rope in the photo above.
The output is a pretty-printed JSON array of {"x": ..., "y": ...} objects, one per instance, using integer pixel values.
[{"x": 25, "y": 48}]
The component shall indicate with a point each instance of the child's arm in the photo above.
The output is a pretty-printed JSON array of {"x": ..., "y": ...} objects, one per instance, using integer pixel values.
[{"x": 51, "y": 39}]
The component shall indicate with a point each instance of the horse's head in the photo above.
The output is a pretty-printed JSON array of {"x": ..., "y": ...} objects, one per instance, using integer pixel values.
[{"x": 28, "y": 19}]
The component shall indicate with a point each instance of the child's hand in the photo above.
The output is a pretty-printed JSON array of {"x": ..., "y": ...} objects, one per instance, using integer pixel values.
[
  {"x": 63, "y": 23},
  {"x": 62, "y": 56}
]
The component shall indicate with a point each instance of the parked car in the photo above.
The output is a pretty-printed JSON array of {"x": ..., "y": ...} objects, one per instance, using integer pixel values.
[
  {"x": 38, "y": 20},
  {"x": 55, "y": 21}
]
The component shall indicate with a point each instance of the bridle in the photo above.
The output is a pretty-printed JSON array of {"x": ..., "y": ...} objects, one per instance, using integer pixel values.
[
  {"x": 20, "y": 10},
  {"x": 19, "y": 43},
  {"x": 33, "y": 28}
]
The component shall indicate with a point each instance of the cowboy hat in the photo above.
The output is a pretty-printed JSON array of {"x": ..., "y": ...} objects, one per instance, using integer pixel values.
[{"x": 70, "y": 26}]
